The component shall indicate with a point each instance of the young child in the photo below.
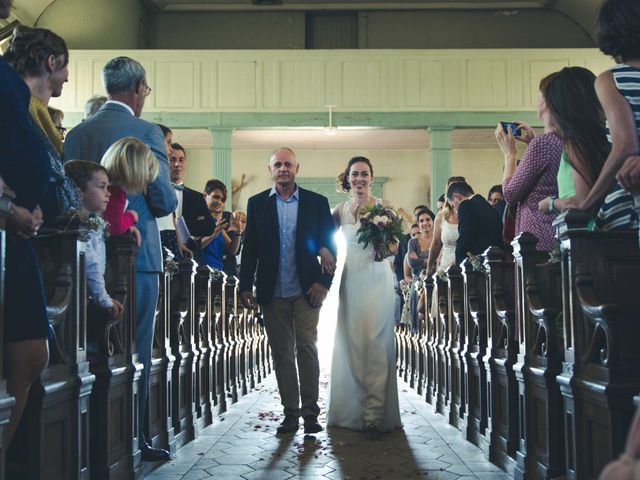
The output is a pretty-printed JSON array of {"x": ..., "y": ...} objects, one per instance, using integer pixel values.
[
  {"x": 92, "y": 180},
  {"x": 131, "y": 167}
]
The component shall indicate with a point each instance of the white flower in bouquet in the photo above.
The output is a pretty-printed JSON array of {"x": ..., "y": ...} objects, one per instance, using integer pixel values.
[
  {"x": 384, "y": 219},
  {"x": 376, "y": 219}
]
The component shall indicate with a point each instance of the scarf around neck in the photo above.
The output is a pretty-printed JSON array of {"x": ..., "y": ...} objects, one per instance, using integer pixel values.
[{"x": 40, "y": 116}]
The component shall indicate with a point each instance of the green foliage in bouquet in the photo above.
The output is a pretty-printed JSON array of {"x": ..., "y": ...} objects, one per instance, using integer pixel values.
[{"x": 381, "y": 227}]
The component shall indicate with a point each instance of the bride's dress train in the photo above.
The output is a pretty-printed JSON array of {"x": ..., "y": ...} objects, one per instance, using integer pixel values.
[{"x": 363, "y": 383}]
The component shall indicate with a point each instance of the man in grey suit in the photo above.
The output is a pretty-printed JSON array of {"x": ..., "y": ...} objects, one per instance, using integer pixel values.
[{"x": 125, "y": 81}]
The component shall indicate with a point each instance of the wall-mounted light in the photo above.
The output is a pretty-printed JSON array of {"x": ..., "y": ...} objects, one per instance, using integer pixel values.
[{"x": 331, "y": 129}]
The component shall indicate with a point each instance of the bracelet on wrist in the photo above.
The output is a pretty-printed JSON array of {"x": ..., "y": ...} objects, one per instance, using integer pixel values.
[{"x": 552, "y": 208}]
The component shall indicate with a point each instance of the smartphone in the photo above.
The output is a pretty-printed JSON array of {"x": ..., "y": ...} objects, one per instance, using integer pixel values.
[{"x": 515, "y": 128}]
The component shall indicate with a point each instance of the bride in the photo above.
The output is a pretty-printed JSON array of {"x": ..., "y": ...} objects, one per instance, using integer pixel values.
[{"x": 363, "y": 391}]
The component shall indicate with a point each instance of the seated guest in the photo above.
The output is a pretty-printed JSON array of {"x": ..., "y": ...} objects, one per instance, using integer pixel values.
[
  {"x": 524, "y": 184},
  {"x": 92, "y": 105},
  {"x": 620, "y": 97},
  {"x": 41, "y": 58},
  {"x": 131, "y": 168},
  {"x": 191, "y": 207},
  {"x": 225, "y": 240},
  {"x": 571, "y": 97},
  {"x": 25, "y": 167},
  {"x": 417, "y": 257},
  {"x": 478, "y": 224},
  {"x": 93, "y": 182}
]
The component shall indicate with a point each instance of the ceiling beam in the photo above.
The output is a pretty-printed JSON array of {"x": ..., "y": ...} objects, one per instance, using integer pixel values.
[{"x": 297, "y": 5}]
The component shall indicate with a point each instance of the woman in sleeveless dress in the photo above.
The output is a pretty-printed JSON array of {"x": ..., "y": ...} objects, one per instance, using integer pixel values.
[
  {"x": 417, "y": 257},
  {"x": 445, "y": 237},
  {"x": 363, "y": 386}
]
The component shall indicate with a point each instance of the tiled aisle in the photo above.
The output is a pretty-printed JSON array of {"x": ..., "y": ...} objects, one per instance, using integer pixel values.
[{"x": 243, "y": 445}]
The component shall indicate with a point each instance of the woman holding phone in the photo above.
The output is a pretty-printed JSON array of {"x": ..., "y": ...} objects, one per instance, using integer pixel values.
[
  {"x": 225, "y": 239},
  {"x": 526, "y": 183}
]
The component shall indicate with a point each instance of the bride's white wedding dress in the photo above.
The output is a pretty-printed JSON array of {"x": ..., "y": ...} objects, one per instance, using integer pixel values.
[{"x": 363, "y": 384}]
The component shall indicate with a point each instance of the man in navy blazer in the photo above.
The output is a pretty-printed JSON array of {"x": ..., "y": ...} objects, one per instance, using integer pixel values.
[
  {"x": 124, "y": 80},
  {"x": 479, "y": 226},
  {"x": 288, "y": 228}
]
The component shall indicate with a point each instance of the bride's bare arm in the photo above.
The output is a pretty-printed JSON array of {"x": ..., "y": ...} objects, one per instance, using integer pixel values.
[{"x": 337, "y": 214}]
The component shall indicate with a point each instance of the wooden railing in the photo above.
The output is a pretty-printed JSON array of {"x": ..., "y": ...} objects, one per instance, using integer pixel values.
[{"x": 535, "y": 359}]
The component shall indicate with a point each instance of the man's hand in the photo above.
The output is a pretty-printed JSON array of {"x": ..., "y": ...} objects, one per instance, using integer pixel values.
[
  {"x": 317, "y": 293},
  {"x": 136, "y": 235},
  {"x": 327, "y": 261},
  {"x": 248, "y": 300},
  {"x": 116, "y": 308},
  {"x": 543, "y": 205},
  {"x": 629, "y": 174}
]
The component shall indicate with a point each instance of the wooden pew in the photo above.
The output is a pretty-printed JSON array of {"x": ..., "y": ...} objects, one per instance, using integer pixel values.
[
  {"x": 52, "y": 441},
  {"x": 161, "y": 433},
  {"x": 456, "y": 347},
  {"x": 432, "y": 342},
  {"x": 541, "y": 450},
  {"x": 501, "y": 355},
  {"x": 203, "y": 337},
  {"x": 600, "y": 376},
  {"x": 475, "y": 340},
  {"x": 427, "y": 377},
  {"x": 233, "y": 344},
  {"x": 6, "y": 400},
  {"x": 182, "y": 306},
  {"x": 442, "y": 389},
  {"x": 219, "y": 342},
  {"x": 114, "y": 451}
]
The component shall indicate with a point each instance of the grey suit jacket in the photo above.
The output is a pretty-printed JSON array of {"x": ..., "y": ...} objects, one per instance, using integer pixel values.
[{"x": 91, "y": 139}]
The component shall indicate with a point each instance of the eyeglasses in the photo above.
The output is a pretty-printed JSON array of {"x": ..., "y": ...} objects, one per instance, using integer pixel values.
[
  {"x": 147, "y": 90},
  {"x": 62, "y": 130}
]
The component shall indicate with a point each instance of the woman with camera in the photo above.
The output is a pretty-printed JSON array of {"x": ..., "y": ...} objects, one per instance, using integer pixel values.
[{"x": 526, "y": 183}]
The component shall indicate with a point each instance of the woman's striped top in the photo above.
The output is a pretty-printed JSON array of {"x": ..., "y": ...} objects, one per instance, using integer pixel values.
[{"x": 617, "y": 211}]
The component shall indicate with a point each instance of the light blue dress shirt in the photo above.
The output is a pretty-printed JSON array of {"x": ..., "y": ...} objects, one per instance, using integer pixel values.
[{"x": 287, "y": 283}]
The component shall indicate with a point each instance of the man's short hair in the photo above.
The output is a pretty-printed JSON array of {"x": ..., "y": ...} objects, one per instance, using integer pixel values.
[
  {"x": 81, "y": 171},
  {"x": 441, "y": 198},
  {"x": 94, "y": 104},
  {"x": 286, "y": 149},
  {"x": 177, "y": 146},
  {"x": 122, "y": 74},
  {"x": 165, "y": 130},
  {"x": 462, "y": 188}
]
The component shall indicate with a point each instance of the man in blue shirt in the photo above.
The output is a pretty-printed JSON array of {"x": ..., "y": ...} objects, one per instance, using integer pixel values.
[{"x": 288, "y": 228}]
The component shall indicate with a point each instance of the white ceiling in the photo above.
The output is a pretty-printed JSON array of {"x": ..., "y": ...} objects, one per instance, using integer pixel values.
[{"x": 344, "y": 139}]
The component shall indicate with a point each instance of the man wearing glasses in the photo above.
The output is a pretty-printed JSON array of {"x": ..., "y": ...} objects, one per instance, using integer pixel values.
[{"x": 124, "y": 80}]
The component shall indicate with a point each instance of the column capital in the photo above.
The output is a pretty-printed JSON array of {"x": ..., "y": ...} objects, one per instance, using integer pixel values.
[
  {"x": 221, "y": 137},
  {"x": 440, "y": 156},
  {"x": 440, "y": 137},
  {"x": 221, "y": 157}
]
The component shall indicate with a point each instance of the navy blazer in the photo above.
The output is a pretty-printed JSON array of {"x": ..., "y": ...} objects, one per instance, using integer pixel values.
[
  {"x": 90, "y": 140},
  {"x": 261, "y": 252},
  {"x": 479, "y": 227},
  {"x": 196, "y": 213}
]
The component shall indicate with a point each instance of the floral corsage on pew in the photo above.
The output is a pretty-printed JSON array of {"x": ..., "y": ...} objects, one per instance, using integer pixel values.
[{"x": 381, "y": 227}]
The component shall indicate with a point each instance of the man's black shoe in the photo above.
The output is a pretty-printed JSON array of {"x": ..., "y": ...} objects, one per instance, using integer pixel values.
[
  {"x": 150, "y": 454},
  {"x": 290, "y": 424},
  {"x": 311, "y": 424}
]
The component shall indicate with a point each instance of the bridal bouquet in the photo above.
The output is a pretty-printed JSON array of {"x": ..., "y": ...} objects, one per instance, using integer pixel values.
[{"x": 381, "y": 227}]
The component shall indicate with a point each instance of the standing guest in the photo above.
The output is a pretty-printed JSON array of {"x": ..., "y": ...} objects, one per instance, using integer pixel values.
[
  {"x": 478, "y": 224},
  {"x": 418, "y": 258},
  {"x": 191, "y": 207},
  {"x": 495, "y": 195},
  {"x": 125, "y": 81},
  {"x": 92, "y": 105},
  {"x": 281, "y": 257},
  {"x": 26, "y": 168},
  {"x": 93, "y": 182},
  {"x": 618, "y": 26},
  {"x": 629, "y": 174},
  {"x": 580, "y": 121},
  {"x": 535, "y": 177},
  {"x": 225, "y": 240},
  {"x": 57, "y": 116},
  {"x": 241, "y": 217},
  {"x": 440, "y": 203},
  {"x": 41, "y": 58},
  {"x": 168, "y": 138}
]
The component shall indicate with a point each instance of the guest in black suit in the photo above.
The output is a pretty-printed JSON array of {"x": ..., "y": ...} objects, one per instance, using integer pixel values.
[
  {"x": 191, "y": 206},
  {"x": 287, "y": 229},
  {"x": 479, "y": 225}
]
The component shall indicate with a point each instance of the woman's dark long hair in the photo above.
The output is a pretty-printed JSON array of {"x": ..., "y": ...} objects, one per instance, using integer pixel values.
[
  {"x": 343, "y": 178},
  {"x": 619, "y": 29},
  {"x": 571, "y": 97}
]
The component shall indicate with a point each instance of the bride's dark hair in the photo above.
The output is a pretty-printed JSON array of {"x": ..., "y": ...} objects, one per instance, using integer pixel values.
[{"x": 343, "y": 178}]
